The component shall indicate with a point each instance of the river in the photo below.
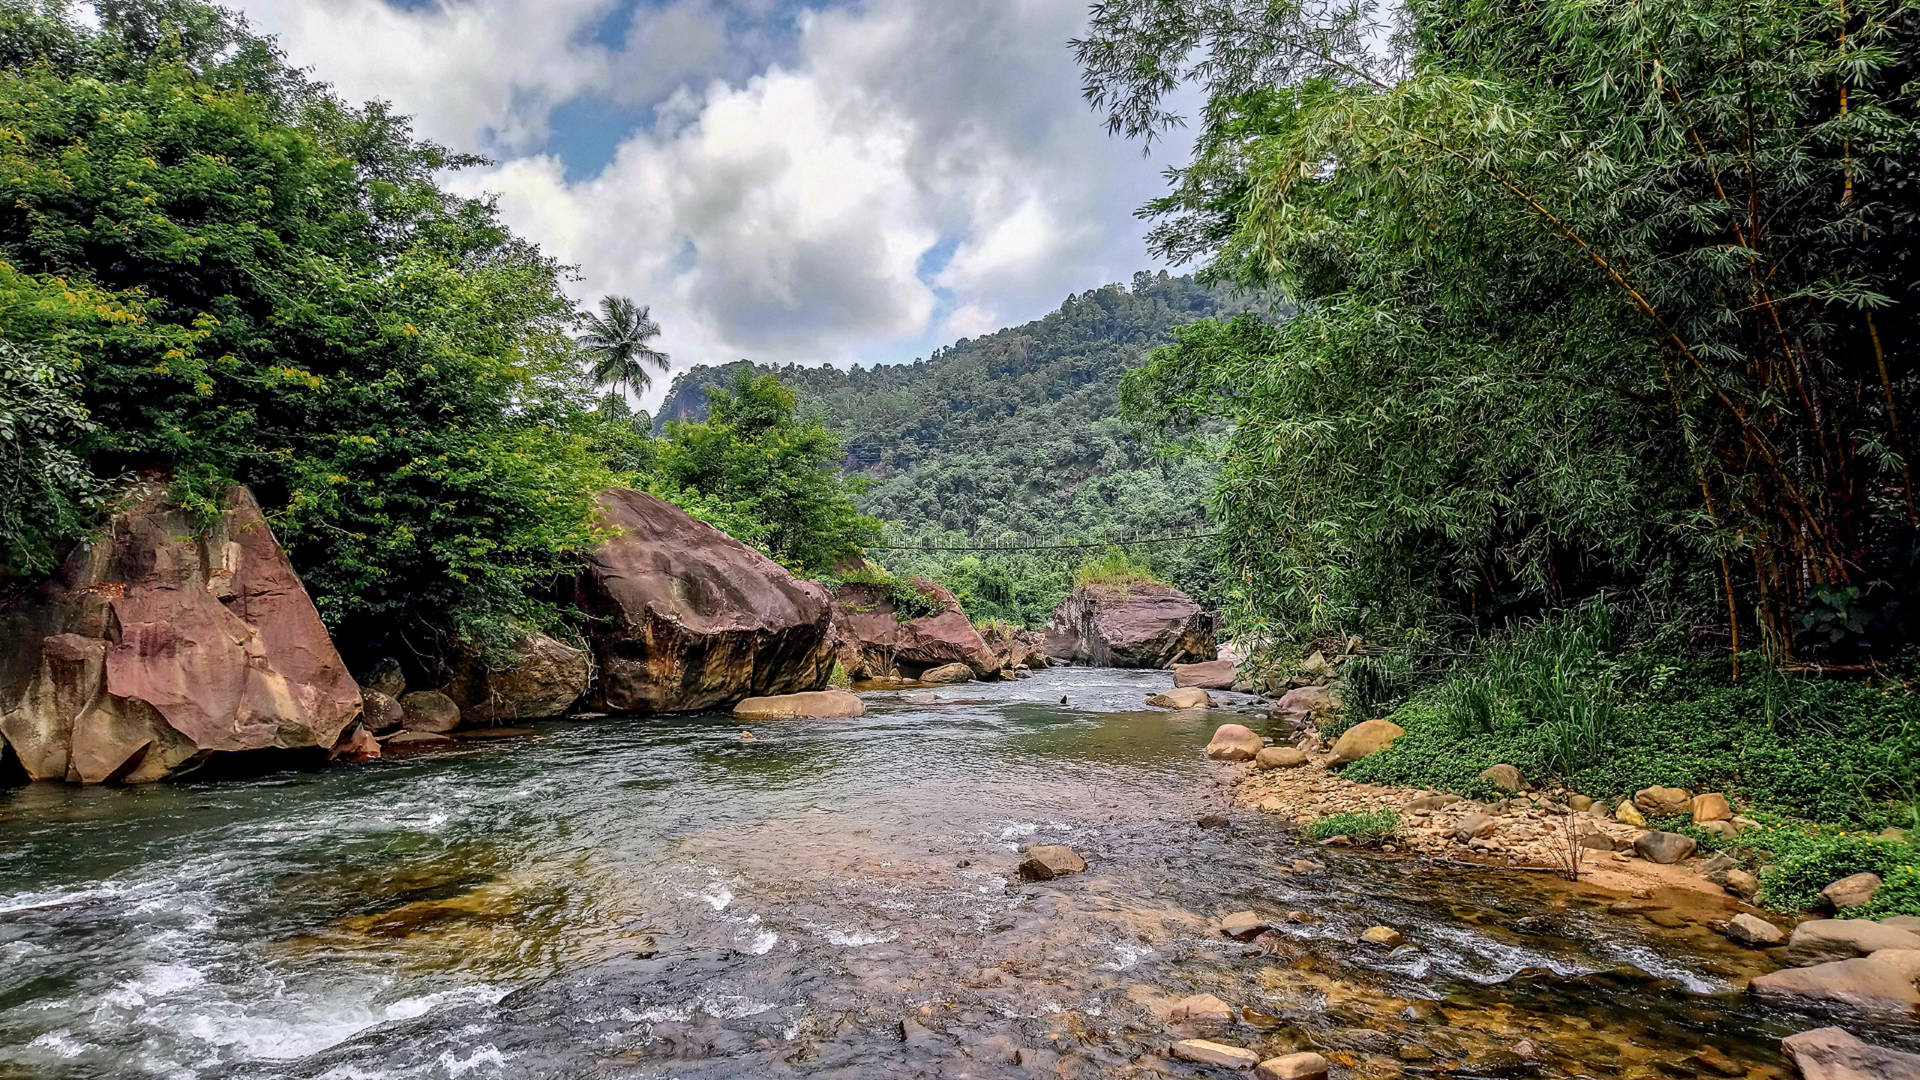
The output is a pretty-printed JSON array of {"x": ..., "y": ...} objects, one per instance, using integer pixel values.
[{"x": 665, "y": 898}]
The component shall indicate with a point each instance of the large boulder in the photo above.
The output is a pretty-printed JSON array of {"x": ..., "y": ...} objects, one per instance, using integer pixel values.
[
  {"x": 1208, "y": 675},
  {"x": 1235, "y": 742},
  {"x": 684, "y": 617},
  {"x": 1013, "y": 647},
  {"x": 1659, "y": 802},
  {"x": 1140, "y": 625},
  {"x": 1305, "y": 706},
  {"x": 162, "y": 641},
  {"x": 1817, "y": 941},
  {"x": 541, "y": 679},
  {"x": 817, "y": 705},
  {"x": 874, "y": 639},
  {"x": 1362, "y": 740},
  {"x": 1880, "y": 985}
]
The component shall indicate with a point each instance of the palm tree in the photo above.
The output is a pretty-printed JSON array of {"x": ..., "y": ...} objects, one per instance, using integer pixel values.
[{"x": 619, "y": 341}]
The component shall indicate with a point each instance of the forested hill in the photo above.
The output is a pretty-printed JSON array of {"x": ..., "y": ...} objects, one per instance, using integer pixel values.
[{"x": 1009, "y": 436}]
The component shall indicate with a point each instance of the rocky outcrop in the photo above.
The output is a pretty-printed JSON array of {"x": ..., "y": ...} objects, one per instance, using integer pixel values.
[
  {"x": 1880, "y": 985},
  {"x": 872, "y": 640},
  {"x": 684, "y": 617},
  {"x": 1014, "y": 647},
  {"x": 540, "y": 680},
  {"x": 1208, "y": 675},
  {"x": 1834, "y": 1054},
  {"x": 1142, "y": 625},
  {"x": 165, "y": 640}
]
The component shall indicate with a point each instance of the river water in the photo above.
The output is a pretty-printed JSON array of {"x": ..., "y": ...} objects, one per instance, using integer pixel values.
[{"x": 668, "y": 899}]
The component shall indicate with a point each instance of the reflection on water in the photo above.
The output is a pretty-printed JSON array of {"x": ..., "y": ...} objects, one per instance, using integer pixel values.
[{"x": 664, "y": 899}]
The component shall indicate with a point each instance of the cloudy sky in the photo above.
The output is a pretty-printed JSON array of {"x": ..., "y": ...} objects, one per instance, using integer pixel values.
[{"x": 829, "y": 181}]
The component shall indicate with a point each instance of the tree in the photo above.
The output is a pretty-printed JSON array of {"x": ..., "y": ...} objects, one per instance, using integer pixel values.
[
  {"x": 47, "y": 493},
  {"x": 766, "y": 475},
  {"x": 1593, "y": 297},
  {"x": 617, "y": 342}
]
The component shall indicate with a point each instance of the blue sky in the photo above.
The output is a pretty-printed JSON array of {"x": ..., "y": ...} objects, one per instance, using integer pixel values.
[{"x": 830, "y": 181}]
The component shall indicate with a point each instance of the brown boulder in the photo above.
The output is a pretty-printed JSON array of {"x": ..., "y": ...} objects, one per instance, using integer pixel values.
[
  {"x": 1279, "y": 757},
  {"x": 873, "y": 640},
  {"x": 1820, "y": 940},
  {"x": 1302, "y": 1066},
  {"x": 1754, "y": 931},
  {"x": 430, "y": 712},
  {"x": 1011, "y": 648},
  {"x": 1140, "y": 625},
  {"x": 1712, "y": 806},
  {"x": 1832, "y": 1053},
  {"x": 948, "y": 674},
  {"x": 1659, "y": 802},
  {"x": 817, "y": 704},
  {"x": 1306, "y": 705},
  {"x": 1361, "y": 740},
  {"x": 1182, "y": 698},
  {"x": 1665, "y": 847},
  {"x": 541, "y": 679},
  {"x": 1505, "y": 777},
  {"x": 686, "y": 618},
  {"x": 165, "y": 640},
  {"x": 357, "y": 745},
  {"x": 1044, "y": 862},
  {"x": 381, "y": 714},
  {"x": 1235, "y": 742},
  {"x": 1851, "y": 892},
  {"x": 1208, "y": 675}
]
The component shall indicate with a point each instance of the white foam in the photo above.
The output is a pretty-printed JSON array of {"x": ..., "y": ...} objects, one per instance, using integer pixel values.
[
  {"x": 857, "y": 938},
  {"x": 486, "y": 1055},
  {"x": 59, "y": 1043},
  {"x": 763, "y": 943}
]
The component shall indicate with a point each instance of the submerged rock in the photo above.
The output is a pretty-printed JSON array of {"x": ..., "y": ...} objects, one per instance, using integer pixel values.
[
  {"x": 1302, "y": 1066},
  {"x": 1182, "y": 698},
  {"x": 1821, "y": 940},
  {"x": 163, "y": 641},
  {"x": 1201, "y": 1010},
  {"x": 1833, "y": 1053},
  {"x": 816, "y": 704},
  {"x": 1207, "y": 1052},
  {"x": 1142, "y": 625},
  {"x": 1880, "y": 985},
  {"x": 1044, "y": 862},
  {"x": 685, "y": 617}
]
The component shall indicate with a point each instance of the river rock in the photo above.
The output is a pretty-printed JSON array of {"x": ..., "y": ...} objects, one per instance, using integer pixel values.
[
  {"x": 1140, "y": 625},
  {"x": 1833, "y": 1053},
  {"x": 1820, "y": 940},
  {"x": 1753, "y": 931},
  {"x": 357, "y": 745},
  {"x": 1385, "y": 936},
  {"x": 163, "y": 640},
  {"x": 872, "y": 640},
  {"x": 1473, "y": 827},
  {"x": 1044, "y": 862},
  {"x": 1182, "y": 698},
  {"x": 1909, "y": 923},
  {"x": 947, "y": 675},
  {"x": 1880, "y": 985},
  {"x": 385, "y": 676},
  {"x": 1307, "y": 705},
  {"x": 1504, "y": 777},
  {"x": 1851, "y": 892},
  {"x": 1201, "y": 1010},
  {"x": 429, "y": 711},
  {"x": 1579, "y": 804},
  {"x": 1665, "y": 847},
  {"x": 814, "y": 704},
  {"x": 1712, "y": 806},
  {"x": 1366, "y": 738},
  {"x": 1436, "y": 801},
  {"x": 1207, "y": 675},
  {"x": 1245, "y": 925},
  {"x": 541, "y": 678},
  {"x": 683, "y": 617},
  {"x": 1660, "y": 802},
  {"x": 1233, "y": 742},
  {"x": 381, "y": 713},
  {"x": 1279, "y": 757},
  {"x": 1014, "y": 650},
  {"x": 1627, "y": 814},
  {"x": 1207, "y": 1052},
  {"x": 1303, "y": 1066},
  {"x": 417, "y": 738}
]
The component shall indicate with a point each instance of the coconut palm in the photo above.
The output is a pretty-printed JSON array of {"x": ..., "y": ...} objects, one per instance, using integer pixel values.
[{"x": 619, "y": 341}]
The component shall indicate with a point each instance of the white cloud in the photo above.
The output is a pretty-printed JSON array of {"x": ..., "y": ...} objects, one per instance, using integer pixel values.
[{"x": 786, "y": 196}]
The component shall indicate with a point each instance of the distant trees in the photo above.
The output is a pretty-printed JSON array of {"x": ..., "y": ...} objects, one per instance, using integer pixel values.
[
  {"x": 1594, "y": 297},
  {"x": 618, "y": 340}
]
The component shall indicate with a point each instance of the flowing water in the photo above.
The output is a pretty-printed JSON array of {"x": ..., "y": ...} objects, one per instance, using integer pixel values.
[{"x": 668, "y": 899}]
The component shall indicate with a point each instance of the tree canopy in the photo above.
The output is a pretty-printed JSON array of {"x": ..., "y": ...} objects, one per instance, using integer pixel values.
[{"x": 1592, "y": 298}]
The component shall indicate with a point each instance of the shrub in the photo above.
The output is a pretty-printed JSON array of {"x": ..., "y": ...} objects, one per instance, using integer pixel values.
[
  {"x": 1370, "y": 825},
  {"x": 910, "y": 599},
  {"x": 1115, "y": 569}
]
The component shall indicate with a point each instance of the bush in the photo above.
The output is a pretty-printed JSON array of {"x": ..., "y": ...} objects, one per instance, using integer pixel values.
[
  {"x": 1370, "y": 825},
  {"x": 1114, "y": 569},
  {"x": 908, "y": 600}
]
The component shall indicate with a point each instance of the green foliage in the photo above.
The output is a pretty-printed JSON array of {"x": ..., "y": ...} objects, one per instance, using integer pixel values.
[
  {"x": 1566, "y": 699},
  {"x": 1801, "y": 862},
  {"x": 1368, "y": 825},
  {"x": 1377, "y": 685},
  {"x": 768, "y": 473},
  {"x": 255, "y": 282},
  {"x": 1115, "y": 569},
  {"x": 618, "y": 342},
  {"x": 1591, "y": 297},
  {"x": 908, "y": 598},
  {"x": 47, "y": 493}
]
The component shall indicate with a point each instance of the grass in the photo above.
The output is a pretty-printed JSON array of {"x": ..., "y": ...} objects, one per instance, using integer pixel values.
[
  {"x": 1114, "y": 569},
  {"x": 1371, "y": 825}
]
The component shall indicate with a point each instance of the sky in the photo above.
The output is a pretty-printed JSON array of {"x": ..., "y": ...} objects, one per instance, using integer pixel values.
[{"x": 806, "y": 181}]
